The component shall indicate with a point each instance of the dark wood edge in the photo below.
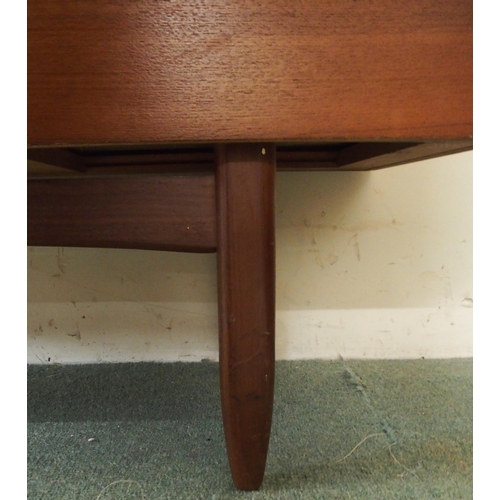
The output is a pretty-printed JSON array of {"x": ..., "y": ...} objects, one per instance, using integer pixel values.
[
  {"x": 337, "y": 156},
  {"x": 58, "y": 157},
  {"x": 374, "y": 157}
]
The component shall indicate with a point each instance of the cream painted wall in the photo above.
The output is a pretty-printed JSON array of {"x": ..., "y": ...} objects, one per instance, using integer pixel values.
[{"x": 369, "y": 265}]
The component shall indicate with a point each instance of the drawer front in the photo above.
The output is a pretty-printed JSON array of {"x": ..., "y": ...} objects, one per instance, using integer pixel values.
[{"x": 150, "y": 71}]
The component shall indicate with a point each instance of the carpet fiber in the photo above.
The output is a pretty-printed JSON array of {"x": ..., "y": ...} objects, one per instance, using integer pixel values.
[{"x": 341, "y": 430}]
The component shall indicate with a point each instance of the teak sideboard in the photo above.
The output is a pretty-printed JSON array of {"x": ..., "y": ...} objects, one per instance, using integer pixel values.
[{"x": 156, "y": 124}]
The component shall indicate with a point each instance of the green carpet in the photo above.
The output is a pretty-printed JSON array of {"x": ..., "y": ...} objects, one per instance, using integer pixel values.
[{"x": 341, "y": 430}]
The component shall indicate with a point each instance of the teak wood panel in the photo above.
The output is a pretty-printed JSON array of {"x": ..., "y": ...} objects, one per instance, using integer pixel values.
[
  {"x": 153, "y": 213},
  {"x": 149, "y": 71}
]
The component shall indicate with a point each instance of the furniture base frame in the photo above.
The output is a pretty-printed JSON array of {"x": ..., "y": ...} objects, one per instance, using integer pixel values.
[
  {"x": 203, "y": 200},
  {"x": 231, "y": 212}
]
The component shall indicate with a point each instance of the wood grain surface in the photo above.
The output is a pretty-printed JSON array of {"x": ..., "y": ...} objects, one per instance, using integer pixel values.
[
  {"x": 246, "y": 278},
  {"x": 153, "y": 213},
  {"x": 149, "y": 71}
]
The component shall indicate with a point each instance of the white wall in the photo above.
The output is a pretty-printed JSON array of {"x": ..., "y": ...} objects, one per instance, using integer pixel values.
[{"x": 369, "y": 265}]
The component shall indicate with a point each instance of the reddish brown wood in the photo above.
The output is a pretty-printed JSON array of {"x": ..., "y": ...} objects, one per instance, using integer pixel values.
[
  {"x": 336, "y": 156},
  {"x": 154, "y": 213},
  {"x": 373, "y": 156},
  {"x": 153, "y": 73},
  {"x": 246, "y": 272},
  {"x": 58, "y": 158},
  {"x": 148, "y": 71}
]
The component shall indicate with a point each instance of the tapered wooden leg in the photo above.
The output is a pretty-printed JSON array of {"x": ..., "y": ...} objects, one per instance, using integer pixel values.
[{"x": 246, "y": 276}]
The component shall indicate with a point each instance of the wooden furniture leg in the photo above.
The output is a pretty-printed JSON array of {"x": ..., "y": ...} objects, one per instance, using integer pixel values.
[{"x": 246, "y": 278}]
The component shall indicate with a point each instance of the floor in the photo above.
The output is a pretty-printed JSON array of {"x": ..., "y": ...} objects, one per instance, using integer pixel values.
[{"x": 342, "y": 429}]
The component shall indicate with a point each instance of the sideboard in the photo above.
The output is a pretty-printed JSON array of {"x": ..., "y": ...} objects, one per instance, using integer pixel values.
[{"x": 157, "y": 124}]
